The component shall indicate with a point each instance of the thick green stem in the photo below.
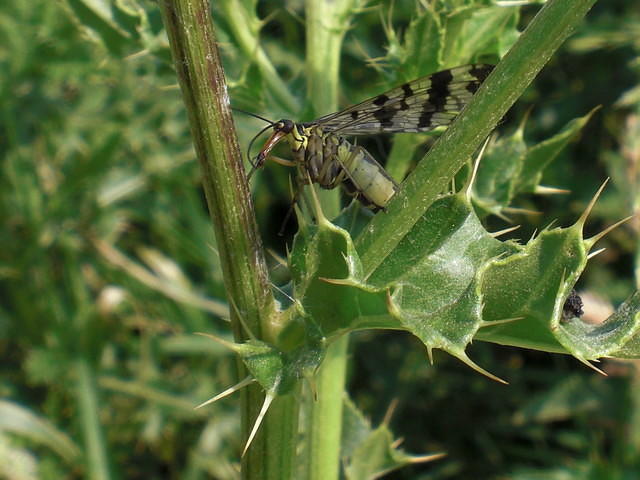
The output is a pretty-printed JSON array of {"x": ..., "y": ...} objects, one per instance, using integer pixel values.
[
  {"x": 324, "y": 423},
  {"x": 551, "y": 26},
  {"x": 326, "y": 24},
  {"x": 246, "y": 28},
  {"x": 197, "y": 60},
  {"x": 273, "y": 453}
]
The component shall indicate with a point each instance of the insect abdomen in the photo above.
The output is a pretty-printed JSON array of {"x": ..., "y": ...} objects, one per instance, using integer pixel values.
[
  {"x": 330, "y": 160},
  {"x": 366, "y": 179}
]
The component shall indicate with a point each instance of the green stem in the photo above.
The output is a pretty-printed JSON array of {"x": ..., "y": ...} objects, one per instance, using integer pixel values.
[
  {"x": 97, "y": 463},
  {"x": 273, "y": 452},
  {"x": 246, "y": 27},
  {"x": 551, "y": 26},
  {"x": 325, "y": 417},
  {"x": 326, "y": 24},
  {"x": 198, "y": 65}
]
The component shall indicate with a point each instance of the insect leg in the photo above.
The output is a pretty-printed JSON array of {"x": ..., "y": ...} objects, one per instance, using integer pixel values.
[
  {"x": 289, "y": 213},
  {"x": 282, "y": 161}
]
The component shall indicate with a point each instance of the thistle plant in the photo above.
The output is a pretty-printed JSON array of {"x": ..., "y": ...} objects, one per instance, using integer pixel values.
[{"x": 441, "y": 261}]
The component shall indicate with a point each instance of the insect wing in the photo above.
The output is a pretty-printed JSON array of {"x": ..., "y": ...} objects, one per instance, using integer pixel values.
[{"x": 417, "y": 106}]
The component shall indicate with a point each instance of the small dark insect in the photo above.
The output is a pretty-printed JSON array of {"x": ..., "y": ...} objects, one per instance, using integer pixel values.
[{"x": 572, "y": 306}]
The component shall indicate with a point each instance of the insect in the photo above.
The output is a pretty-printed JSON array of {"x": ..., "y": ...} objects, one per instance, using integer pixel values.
[
  {"x": 322, "y": 155},
  {"x": 572, "y": 307}
]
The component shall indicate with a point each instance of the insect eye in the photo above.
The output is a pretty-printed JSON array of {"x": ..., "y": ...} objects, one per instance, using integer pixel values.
[{"x": 286, "y": 126}]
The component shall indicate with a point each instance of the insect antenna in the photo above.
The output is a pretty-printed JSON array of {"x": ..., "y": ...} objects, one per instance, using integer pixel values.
[
  {"x": 254, "y": 115},
  {"x": 254, "y": 166}
]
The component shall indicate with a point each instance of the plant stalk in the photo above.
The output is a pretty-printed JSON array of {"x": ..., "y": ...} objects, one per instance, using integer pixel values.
[
  {"x": 246, "y": 28},
  {"x": 324, "y": 423},
  {"x": 326, "y": 24},
  {"x": 197, "y": 60},
  {"x": 96, "y": 455}
]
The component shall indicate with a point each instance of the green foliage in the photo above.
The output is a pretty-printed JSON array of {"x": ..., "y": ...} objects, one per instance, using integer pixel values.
[
  {"x": 448, "y": 278},
  {"x": 107, "y": 263},
  {"x": 511, "y": 168},
  {"x": 370, "y": 452}
]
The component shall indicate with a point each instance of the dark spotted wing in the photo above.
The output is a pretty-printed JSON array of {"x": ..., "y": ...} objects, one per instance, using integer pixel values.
[{"x": 417, "y": 106}]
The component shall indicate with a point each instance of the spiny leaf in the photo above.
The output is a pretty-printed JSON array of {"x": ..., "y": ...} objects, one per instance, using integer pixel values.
[
  {"x": 510, "y": 167},
  {"x": 427, "y": 286},
  {"x": 538, "y": 282},
  {"x": 371, "y": 452},
  {"x": 450, "y": 281}
]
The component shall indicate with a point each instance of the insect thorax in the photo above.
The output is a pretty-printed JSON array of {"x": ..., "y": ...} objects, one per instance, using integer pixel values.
[
  {"x": 316, "y": 154},
  {"x": 330, "y": 160}
]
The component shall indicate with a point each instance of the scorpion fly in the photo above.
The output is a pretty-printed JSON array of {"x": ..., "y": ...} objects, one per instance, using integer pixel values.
[{"x": 321, "y": 154}]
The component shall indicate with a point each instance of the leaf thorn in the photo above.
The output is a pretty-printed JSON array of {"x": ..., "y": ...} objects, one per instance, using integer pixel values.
[
  {"x": 583, "y": 218},
  {"x": 335, "y": 281},
  {"x": 390, "y": 411},
  {"x": 597, "y": 252},
  {"x": 521, "y": 211},
  {"x": 426, "y": 458},
  {"x": 504, "y": 231},
  {"x": 591, "y": 241},
  {"x": 542, "y": 190},
  {"x": 248, "y": 380},
  {"x": 591, "y": 365},
  {"x": 492, "y": 323},
  {"x": 225, "y": 343},
  {"x": 269, "y": 397},
  {"x": 476, "y": 165},
  {"x": 465, "y": 359}
]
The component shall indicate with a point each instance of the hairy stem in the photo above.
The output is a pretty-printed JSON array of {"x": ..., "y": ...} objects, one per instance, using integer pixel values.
[{"x": 197, "y": 60}]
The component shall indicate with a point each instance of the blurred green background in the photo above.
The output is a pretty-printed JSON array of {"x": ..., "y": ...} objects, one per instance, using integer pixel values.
[{"x": 108, "y": 262}]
